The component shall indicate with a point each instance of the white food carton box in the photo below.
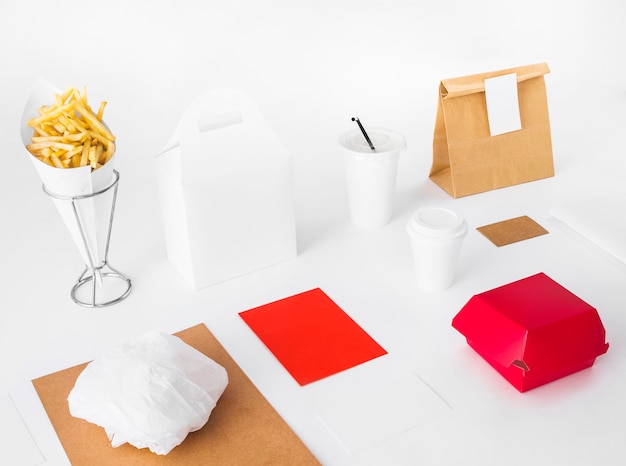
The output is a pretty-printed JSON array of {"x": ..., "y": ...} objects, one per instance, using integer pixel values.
[{"x": 226, "y": 189}]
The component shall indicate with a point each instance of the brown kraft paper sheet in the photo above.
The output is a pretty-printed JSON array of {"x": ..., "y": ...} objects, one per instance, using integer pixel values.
[{"x": 243, "y": 429}]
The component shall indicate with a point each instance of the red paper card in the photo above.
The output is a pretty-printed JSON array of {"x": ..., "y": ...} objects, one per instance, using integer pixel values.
[{"x": 311, "y": 336}]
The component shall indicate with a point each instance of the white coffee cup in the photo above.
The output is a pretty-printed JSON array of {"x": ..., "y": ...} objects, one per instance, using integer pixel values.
[
  {"x": 436, "y": 237},
  {"x": 371, "y": 174}
]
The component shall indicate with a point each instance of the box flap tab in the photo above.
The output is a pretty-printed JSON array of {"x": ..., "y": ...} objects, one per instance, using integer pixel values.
[{"x": 488, "y": 329}]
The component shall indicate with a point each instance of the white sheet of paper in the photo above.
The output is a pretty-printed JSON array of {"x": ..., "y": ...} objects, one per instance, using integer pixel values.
[
  {"x": 18, "y": 446},
  {"x": 502, "y": 104},
  {"x": 598, "y": 220},
  {"x": 375, "y": 401}
]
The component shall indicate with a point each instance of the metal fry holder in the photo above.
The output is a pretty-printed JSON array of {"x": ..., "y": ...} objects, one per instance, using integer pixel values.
[{"x": 97, "y": 275}]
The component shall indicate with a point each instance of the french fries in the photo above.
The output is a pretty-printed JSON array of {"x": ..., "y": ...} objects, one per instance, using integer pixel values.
[{"x": 68, "y": 134}]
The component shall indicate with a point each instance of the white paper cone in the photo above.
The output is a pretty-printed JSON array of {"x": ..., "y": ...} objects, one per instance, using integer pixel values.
[{"x": 94, "y": 212}]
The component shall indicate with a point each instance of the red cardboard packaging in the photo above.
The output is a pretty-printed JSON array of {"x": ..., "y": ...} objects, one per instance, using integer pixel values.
[{"x": 532, "y": 331}]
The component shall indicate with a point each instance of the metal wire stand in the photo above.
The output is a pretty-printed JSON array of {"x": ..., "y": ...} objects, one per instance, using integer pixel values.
[{"x": 96, "y": 275}]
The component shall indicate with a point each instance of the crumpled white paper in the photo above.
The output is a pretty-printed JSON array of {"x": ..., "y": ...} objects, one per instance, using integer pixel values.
[{"x": 150, "y": 392}]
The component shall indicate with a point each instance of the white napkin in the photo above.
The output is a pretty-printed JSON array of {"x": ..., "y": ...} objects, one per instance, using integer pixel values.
[{"x": 150, "y": 392}]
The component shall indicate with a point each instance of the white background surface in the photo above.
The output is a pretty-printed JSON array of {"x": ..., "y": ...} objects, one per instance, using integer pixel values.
[{"x": 310, "y": 66}]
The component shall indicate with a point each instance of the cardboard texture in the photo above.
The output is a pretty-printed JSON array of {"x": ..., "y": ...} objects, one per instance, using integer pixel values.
[
  {"x": 226, "y": 191},
  {"x": 512, "y": 230},
  {"x": 467, "y": 159},
  {"x": 532, "y": 331},
  {"x": 311, "y": 336},
  {"x": 243, "y": 428}
]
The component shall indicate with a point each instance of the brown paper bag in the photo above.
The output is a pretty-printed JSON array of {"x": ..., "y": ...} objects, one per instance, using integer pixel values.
[{"x": 467, "y": 159}]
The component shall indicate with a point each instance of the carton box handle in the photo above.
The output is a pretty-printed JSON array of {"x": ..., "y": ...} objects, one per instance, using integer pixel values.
[{"x": 222, "y": 120}]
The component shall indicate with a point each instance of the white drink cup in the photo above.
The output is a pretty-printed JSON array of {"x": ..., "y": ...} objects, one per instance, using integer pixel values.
[
  {"x": 371, "y": 174},
  {"x": 436, "y": 237}
]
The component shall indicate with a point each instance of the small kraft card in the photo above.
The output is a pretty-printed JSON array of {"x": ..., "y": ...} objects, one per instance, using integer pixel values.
[{"x": 512, "y": 230}]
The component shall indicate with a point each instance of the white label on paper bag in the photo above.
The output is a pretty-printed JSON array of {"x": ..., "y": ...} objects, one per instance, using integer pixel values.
[{"x": 502, "y": 104}]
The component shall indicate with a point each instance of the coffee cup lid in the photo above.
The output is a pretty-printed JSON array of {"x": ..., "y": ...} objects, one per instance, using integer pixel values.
[
  {"x": 437, "y": 222},
  {"x": 385, "y": 141}
]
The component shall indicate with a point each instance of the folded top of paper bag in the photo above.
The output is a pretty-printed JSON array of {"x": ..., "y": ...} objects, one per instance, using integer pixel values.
[
  {"x": 464, "y": 85},
  {"x": 150, "y": 392}
]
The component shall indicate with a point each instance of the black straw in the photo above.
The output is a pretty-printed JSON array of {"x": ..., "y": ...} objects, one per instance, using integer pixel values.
[{"x": 367, "y": 138}]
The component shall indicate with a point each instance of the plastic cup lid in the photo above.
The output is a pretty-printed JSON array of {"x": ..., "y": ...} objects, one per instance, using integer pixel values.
[
  {"x": 437, "y": 222},
  {"x": 384, "y": 141}
]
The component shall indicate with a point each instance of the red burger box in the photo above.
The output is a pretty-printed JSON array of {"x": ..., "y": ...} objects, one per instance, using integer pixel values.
[{"x": 532, "y": 331}]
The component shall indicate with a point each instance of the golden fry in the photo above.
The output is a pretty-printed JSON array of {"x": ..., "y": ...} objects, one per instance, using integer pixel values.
[
  {"x": 51, "y": 113},
  {"x": 66, "y": 138},
  {"x": 91, "y": 118},
  {"x": 76, "y": 160},
  {"x": 66, "y": 93},
  {"x": 68, "y": 134},
  {"x": 85, "y": 155},
  {"x": 46, "y": 160},
  {"x": 101, "y": 111},
  {"x": 92, "y": 156},
  {"x": 55, "y": 160},
  {"x": 76, "y": 150},
  {"x": 109, "y": 152},
  {"x": 53, "y": 145}
]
